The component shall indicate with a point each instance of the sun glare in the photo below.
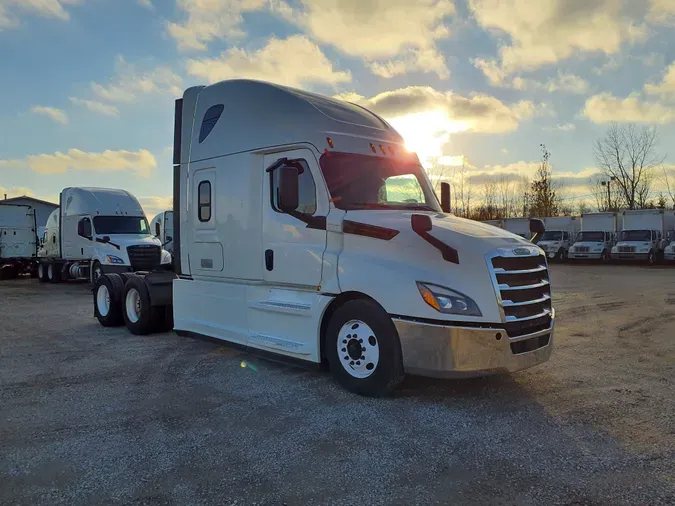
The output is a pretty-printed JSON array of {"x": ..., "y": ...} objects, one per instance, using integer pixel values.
[{"x": 425, "y": 133}]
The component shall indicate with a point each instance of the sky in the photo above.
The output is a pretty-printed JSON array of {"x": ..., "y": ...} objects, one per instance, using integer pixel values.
[{"x": 87, "y": 86}]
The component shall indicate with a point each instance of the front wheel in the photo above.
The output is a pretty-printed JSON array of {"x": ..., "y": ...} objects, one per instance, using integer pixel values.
[
  {"x": 42, "y": 272},
  {"x": 363, "y": 349},
  {"x": 96, "y": 271}
]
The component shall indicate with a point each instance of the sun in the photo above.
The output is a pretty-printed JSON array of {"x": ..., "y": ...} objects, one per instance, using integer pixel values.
[{"x": 425, "y": 133}]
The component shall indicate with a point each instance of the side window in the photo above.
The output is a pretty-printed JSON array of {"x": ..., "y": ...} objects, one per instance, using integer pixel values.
[
  {"x": 204, "y": 204},
  {"x": 84, "y": 227},
  {"x": 306, "y": 191},
  {"x": 211, "y": 117}
]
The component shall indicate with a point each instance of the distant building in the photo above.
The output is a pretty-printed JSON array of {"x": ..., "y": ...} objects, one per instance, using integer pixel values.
[{"x": 42, "y": 208}]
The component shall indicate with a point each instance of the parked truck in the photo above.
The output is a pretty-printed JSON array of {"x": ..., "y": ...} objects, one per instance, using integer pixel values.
[
  {"x": 669, "y": 251},
  {"x": 518, "y": 226},
  {"x": 305, "y": 230},
  {"x": 559, "y": 236},
  {"x": 162, "y": 227},
  {"x": 597, "y": 237},
  {"x": 96, "y": 231},
  {"x": 18, "y": 240},
  {"x": 645, "y": 235}
]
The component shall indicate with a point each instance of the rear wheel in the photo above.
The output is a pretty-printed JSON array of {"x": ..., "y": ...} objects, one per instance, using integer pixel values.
[
  {"x": 108, "y": 291},
  {"x": 42, "y": 272},
  {"x": 139, "y": 316},
  {"x": 363, "y": 349},
  {"x": 53, "y": 273}
]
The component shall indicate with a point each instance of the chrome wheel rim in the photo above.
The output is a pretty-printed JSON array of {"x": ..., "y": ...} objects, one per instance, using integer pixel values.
[
  {"x": 103, "y": 300},
  {"x": 133, "y": 305},
  {"x": 358, "y": 349}
]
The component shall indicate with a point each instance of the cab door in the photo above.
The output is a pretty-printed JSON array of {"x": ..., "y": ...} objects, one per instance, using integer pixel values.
[{"x": 293, "y": 245}]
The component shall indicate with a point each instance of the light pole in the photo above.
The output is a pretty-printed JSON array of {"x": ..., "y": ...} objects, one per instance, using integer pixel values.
[{"x": 609, "y": 193}]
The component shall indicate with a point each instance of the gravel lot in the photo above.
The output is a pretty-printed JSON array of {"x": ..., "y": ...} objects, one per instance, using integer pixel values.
[{"x": 90, "y": 415}]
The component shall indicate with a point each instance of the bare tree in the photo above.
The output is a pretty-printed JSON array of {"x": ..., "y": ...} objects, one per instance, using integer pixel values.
[
  {"x": 462, "y": 191},
  {"x": 629, "y": 155},
  {"x": 439, "y": 173},
  {"x": 668, "y": 180},
  {"x": 545, "y": 202},
  {"x": 608, "y": 195}
]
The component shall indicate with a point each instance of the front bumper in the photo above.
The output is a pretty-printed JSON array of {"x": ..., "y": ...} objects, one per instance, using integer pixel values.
[
  {"x": 459, "y": 352},
  {"x": 584, "y": 256},
  {"x": 630, "y": 256},
  {"x": 669, "y": 257}
]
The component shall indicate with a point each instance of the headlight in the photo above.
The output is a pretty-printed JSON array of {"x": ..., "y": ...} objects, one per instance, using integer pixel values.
[
  {"x": 166, "y": 257},
  {"x": 445, "y": 300},
  {"x": 112, "y": 259}
]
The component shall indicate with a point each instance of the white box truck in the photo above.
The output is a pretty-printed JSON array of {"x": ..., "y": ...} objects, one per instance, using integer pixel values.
[
  {"x": 559, "y": 236},
  {"x": 162, "y": 227},
  {"x": 597, "y": 237},
  {"x": 669, "y": 251},
  {"x": 518, "y": 226},
  {"x": 303, "y": 229},
  {"x": 644, "y": 236},
  {"x": 96, "y": 231},
  {"x": 18, "y": 240}
]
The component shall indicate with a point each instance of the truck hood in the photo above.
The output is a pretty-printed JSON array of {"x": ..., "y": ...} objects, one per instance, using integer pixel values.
[
  {"x": 590, "y": 244},
  {"x": 124, "y": 240}
]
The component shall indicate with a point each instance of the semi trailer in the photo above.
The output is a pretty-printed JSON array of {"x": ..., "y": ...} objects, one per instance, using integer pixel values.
[
  {"x": 18, "y": 240},
  {"x": 597, "y": 237},
  {"x": 96, "y": 231},
  {"x": 645, "y": 235},
  {"x": 559, "y": 236},
  {"x": 304, "y": 230},
  {"x": 162, "y": 226},
  {"x": 518, "y": 226}
]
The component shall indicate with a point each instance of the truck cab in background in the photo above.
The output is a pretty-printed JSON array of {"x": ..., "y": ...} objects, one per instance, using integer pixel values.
[
  {"x": 644, "y": 236},
  {"x": 162, "y": 226},
  {"x": 597, "y": 237},
  {"x": 669, "y": 251},
  {"x": 560, "y": 234},
  {"x": 18, "y": 240},
  {"x": 96, "y": 231}
]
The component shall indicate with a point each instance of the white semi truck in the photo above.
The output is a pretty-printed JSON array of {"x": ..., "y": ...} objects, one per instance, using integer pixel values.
[
  {"x": 18, "y": 240},
  {"x": 162, "y": 227},
  {"x": 559, "y": 236},
  {"x": 96, "y": 231},
  {"x": 303, "y": 229},
  {"x": 597, "y": 237},
  {"x": 645, "y": 235}
]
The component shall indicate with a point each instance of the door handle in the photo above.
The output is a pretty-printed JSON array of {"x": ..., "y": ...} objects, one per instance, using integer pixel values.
[{"x": 269, "y": 259}]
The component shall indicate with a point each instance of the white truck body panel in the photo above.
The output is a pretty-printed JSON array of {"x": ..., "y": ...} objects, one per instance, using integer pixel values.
[
  {"x": 165, "y": 222},
  {"x": 644, "y": 235},
  {"x": 559, "y": 236},
  {"x": 518, "y": 226},
  {"x": 18, "y": 237},
  {"x": 253, "y": 275},
  {"x": 597, "y": 237}
]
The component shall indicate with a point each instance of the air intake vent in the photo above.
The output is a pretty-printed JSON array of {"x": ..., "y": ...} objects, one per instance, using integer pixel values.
[{"x": 144, "y": 257}]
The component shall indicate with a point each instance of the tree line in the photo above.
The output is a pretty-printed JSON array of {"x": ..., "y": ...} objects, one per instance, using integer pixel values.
[{"x": 630, "y": 167}]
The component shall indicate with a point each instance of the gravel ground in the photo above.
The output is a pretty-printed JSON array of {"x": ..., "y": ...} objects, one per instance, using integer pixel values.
[{"x": 90, "y": 415}]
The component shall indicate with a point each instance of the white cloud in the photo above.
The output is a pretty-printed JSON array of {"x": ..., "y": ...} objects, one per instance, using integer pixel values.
[
  {"x": 295, "y": 61},
  {"x": 662, "y": 12},
  {"x": 421, "y": 60},
  {"x": 606, "y": 108},
  {"x": 141, "y": 162},
  {"x": 209, "y": 20},
  {"x": 393, "y": 36},
  {"x": 568, "y": 83},
  {"x": 155, "y": 205},
  {"x": 553, "y": 31},
  {"x": 666, "y": 88},
  {"x": 147, "y": 4},
  {"x": 97, "y": 107},
  {"x": 51, "y": 112},
  {"x": 10, "y": 10},
  {"x": 130, "y": 82},
  {"x": 565, "y": 127}
]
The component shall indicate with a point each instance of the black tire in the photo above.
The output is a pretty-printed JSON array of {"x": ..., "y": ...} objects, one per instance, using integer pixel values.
[
  {"x": 42, "y": 272},
  {"x": 113, "y": 283},
  {"x": 650, "y": 258},
  {"x": 125, "y": 276},
  {"x": 146, "y": 316},
  {"x": 604, "y": 257},
  {"x": 388, "y": 373},
  {"x": 96, "y": 271},
  {"x": 53, "y": 272}
]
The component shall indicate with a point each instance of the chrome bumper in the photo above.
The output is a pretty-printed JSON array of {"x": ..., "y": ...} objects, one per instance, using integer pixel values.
[
  {"x": 459, "y": 352},
  {"x": 584, "y": 256},
  {"x": 669, "y": 257},
  {"x": 630, "y": 256}
]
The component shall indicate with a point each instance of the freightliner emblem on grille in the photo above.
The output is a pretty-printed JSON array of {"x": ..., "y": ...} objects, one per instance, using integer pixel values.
[{"x": 522, "y": 251}]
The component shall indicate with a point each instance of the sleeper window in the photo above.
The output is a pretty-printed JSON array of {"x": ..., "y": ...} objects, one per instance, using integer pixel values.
[
  {"x": 306, "y": 191},
  {"x": 211, "y": 117},
  {"x": 204, "y": 196}
]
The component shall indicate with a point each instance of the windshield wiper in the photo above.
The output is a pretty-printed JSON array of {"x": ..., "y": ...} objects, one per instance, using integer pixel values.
[{"x": 106, "y": 240}]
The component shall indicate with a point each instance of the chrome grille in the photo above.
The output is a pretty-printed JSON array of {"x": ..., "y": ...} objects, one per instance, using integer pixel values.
[
  {"x": 523, "y": 287},
  {"x": 144, "y": 257},
  {"x": 626, "y": 249},
  {"x": 582, "y": 249}
]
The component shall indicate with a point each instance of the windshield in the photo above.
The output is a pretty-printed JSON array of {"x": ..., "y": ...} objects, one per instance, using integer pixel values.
[
  {"x": 371, "y": 182},
  {"x": 591, "y": 237},
  {"x": 551, "y": 236},
  {"x": 112, "y": 225},
  {"x": 636, "y": 235}
]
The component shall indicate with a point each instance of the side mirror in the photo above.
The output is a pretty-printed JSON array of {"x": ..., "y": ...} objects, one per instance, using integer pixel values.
[
  {"x": 537, "y": 228},
  {"x": 420, "y": 223},
  {"x": 158, "y": 232},
  {"x": 445, "y": 197},
  {"x": 289, "y": 191}
]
